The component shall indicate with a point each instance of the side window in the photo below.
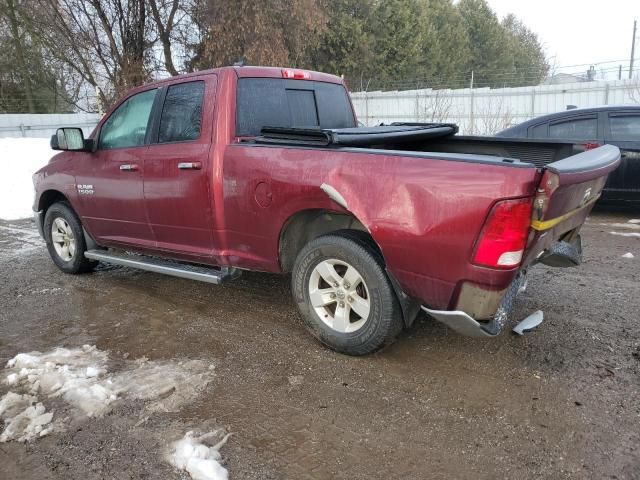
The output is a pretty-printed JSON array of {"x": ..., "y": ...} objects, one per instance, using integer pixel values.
[
  {"x": 127, "y": 126},
  {"x": 182, "y": 113},
  {"x": 583, "y": 128},
  {"x": 625, "y": 127},
  {"x": 539, "y": 131}
]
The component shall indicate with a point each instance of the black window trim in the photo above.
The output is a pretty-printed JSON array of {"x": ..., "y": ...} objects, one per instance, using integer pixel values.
[{"x": 149, "y": 121}]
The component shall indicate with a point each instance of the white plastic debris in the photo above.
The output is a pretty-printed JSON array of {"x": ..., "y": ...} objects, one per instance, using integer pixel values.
[
  {"x": 200, "y": 461},
  {"x": 628, "y": 255},
  {"x": 529, "y": 323}
]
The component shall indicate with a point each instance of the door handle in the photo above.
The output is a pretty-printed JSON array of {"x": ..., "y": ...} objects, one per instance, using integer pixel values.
[
  {"x": 128, "y": 167},
  {"x": 190, "y": 165}
]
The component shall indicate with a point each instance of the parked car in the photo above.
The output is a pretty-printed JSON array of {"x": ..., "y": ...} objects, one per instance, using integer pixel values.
[
  {"x": 251, "y": 168},
  {"x": 610, "y": 125}
]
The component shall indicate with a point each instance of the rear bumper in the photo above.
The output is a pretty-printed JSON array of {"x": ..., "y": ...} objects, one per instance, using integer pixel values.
[
  {"x": 465, "y": 324},
  {"x": 38, "y": 217}
]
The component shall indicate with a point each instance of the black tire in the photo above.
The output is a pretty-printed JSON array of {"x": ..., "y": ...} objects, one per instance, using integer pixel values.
[
  {"x": 384, "y": 322},
  {"x": 78, "y": 263}
]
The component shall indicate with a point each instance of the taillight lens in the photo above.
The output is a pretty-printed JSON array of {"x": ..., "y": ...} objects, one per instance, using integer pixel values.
[
  {"x": 504, "y": 235},
  {"x": 295, "y": 74}
]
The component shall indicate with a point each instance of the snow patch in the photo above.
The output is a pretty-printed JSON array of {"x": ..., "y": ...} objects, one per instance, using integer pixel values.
[
  {"x": 626, "y": 234},
  {"x": 20, "y": 158},
  {"x": 628, "y": 255},
  {"x": 629, "y": 225},
  {"x": 634, "y": 220},
  {"x": 202, "y": 462},
  {"x": 23, "y": 417},
  {"x": 81, "y": 378}
]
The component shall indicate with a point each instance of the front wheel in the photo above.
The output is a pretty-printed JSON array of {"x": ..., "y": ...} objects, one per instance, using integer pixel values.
[
  {"x": 344, "y": 295},
  {"x": 65, "y": 239}
]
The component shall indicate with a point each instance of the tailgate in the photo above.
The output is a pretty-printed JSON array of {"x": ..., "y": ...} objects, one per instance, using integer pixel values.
[{"x": 565, "y": 196}]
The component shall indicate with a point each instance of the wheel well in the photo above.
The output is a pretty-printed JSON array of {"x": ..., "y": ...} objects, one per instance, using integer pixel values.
[
  {"x": 304, "y": 226},
  {"x": 50, "y": 197}
]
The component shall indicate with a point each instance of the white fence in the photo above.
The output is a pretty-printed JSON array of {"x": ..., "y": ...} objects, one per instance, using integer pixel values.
[
  {"x": 44, "y": 125},
  {"x": 481, "y": 111},
  {"x": 485, "y": 111}
]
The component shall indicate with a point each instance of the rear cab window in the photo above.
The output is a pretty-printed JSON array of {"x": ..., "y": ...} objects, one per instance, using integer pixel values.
[{"x": 276, "y": 102}]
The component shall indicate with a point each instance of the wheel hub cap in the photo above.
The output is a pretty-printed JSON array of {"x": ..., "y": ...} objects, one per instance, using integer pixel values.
[
  {"x": 339, "y": 295},
  {"x": 62, "y": 239}
]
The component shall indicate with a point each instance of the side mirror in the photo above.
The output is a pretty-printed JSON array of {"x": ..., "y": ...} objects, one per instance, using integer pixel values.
[{"x": 72, "y": 139}]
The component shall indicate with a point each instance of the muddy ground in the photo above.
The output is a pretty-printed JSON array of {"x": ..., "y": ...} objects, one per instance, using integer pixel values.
[{"x": 560, "y": 402}]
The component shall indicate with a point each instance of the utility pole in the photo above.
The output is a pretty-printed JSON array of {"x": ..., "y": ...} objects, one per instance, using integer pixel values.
[
  {"x": 471, "y": 112},
  {"x": 633, "y": 49}
]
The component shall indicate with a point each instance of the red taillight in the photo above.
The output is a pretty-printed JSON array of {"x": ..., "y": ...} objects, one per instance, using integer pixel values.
[
  {"x": 591, "y": 146},
  {"x": 504, "y": 235},
  {"x": 295, "y": 74}
]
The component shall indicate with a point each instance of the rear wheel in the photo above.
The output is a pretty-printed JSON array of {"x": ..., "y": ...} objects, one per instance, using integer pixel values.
[
  {"x": 344, "y": 294},
  {"x": 65, "y": 239}
]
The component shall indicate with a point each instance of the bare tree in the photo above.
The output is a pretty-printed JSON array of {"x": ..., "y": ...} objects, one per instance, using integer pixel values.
[
  {"x": 109, "y": 46},
  {"x": 436, "y": 106},
  {"x": 494, "y": 116}
]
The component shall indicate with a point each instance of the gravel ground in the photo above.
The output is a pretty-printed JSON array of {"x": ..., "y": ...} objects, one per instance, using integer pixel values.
[{"x": 560, "y": 402}]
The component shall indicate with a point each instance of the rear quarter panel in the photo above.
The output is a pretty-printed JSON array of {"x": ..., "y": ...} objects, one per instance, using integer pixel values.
[{"x": 425, "y": 214}]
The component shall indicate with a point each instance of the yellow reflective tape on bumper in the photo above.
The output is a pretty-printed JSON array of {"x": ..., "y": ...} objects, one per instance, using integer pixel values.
[{"x": 547, "y": 224}]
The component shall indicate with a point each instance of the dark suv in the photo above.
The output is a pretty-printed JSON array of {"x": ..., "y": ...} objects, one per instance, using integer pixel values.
[{"x": 615, "y": 125}]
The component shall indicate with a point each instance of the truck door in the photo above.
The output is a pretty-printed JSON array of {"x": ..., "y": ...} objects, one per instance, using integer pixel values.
[
  {"x": 109, "y": 181},
  {"x": 624, "y": 133},
  {"x": 177, "y": 174}
]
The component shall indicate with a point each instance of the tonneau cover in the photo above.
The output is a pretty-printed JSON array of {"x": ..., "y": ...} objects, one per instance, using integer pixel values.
[{"x": 357, "y": 137}]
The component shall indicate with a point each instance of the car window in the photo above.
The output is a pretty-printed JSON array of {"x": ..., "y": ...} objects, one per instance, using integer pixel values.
[
  {"x": 539, "y": 131},
  {"x": 275, "y": 102},
  {"x": 624, "y": 127},
  {"x": 583, "y": 128},
  {"x": 127, "y": 125},
  {"x": 182, "y": 113},
  {"x": 303, "y": 111}
]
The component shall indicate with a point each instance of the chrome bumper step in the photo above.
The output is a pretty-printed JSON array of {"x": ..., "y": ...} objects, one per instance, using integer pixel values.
[
  {"x": 466, "y": 325},
  {"x": 168, "y": 267}
]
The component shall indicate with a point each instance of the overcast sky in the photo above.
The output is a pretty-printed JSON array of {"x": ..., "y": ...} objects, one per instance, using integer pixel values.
[{"x": 580, "y": 31}]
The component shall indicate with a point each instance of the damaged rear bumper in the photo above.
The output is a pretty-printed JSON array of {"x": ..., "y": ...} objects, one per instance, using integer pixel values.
[{"x": 466, "y": 325}]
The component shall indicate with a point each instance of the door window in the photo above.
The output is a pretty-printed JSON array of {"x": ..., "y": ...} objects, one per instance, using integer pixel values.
[
  {"x": 182, "y": 113},
  {"x": 583, "y": 128},
  {"x": 127, "y": 125},
  {"x": 539, "y": 131},
  {"x": 625, "y": 127}
]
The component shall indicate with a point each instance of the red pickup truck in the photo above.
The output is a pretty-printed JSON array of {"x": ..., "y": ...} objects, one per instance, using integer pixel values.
[{"x": 252, "y": 168}]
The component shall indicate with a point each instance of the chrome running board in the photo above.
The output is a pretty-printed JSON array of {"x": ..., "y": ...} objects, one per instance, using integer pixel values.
[{"x": 167, "y": 267}]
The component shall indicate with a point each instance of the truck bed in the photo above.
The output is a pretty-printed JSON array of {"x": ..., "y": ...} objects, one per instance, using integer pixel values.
[{"x": 429, "y": 139}]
